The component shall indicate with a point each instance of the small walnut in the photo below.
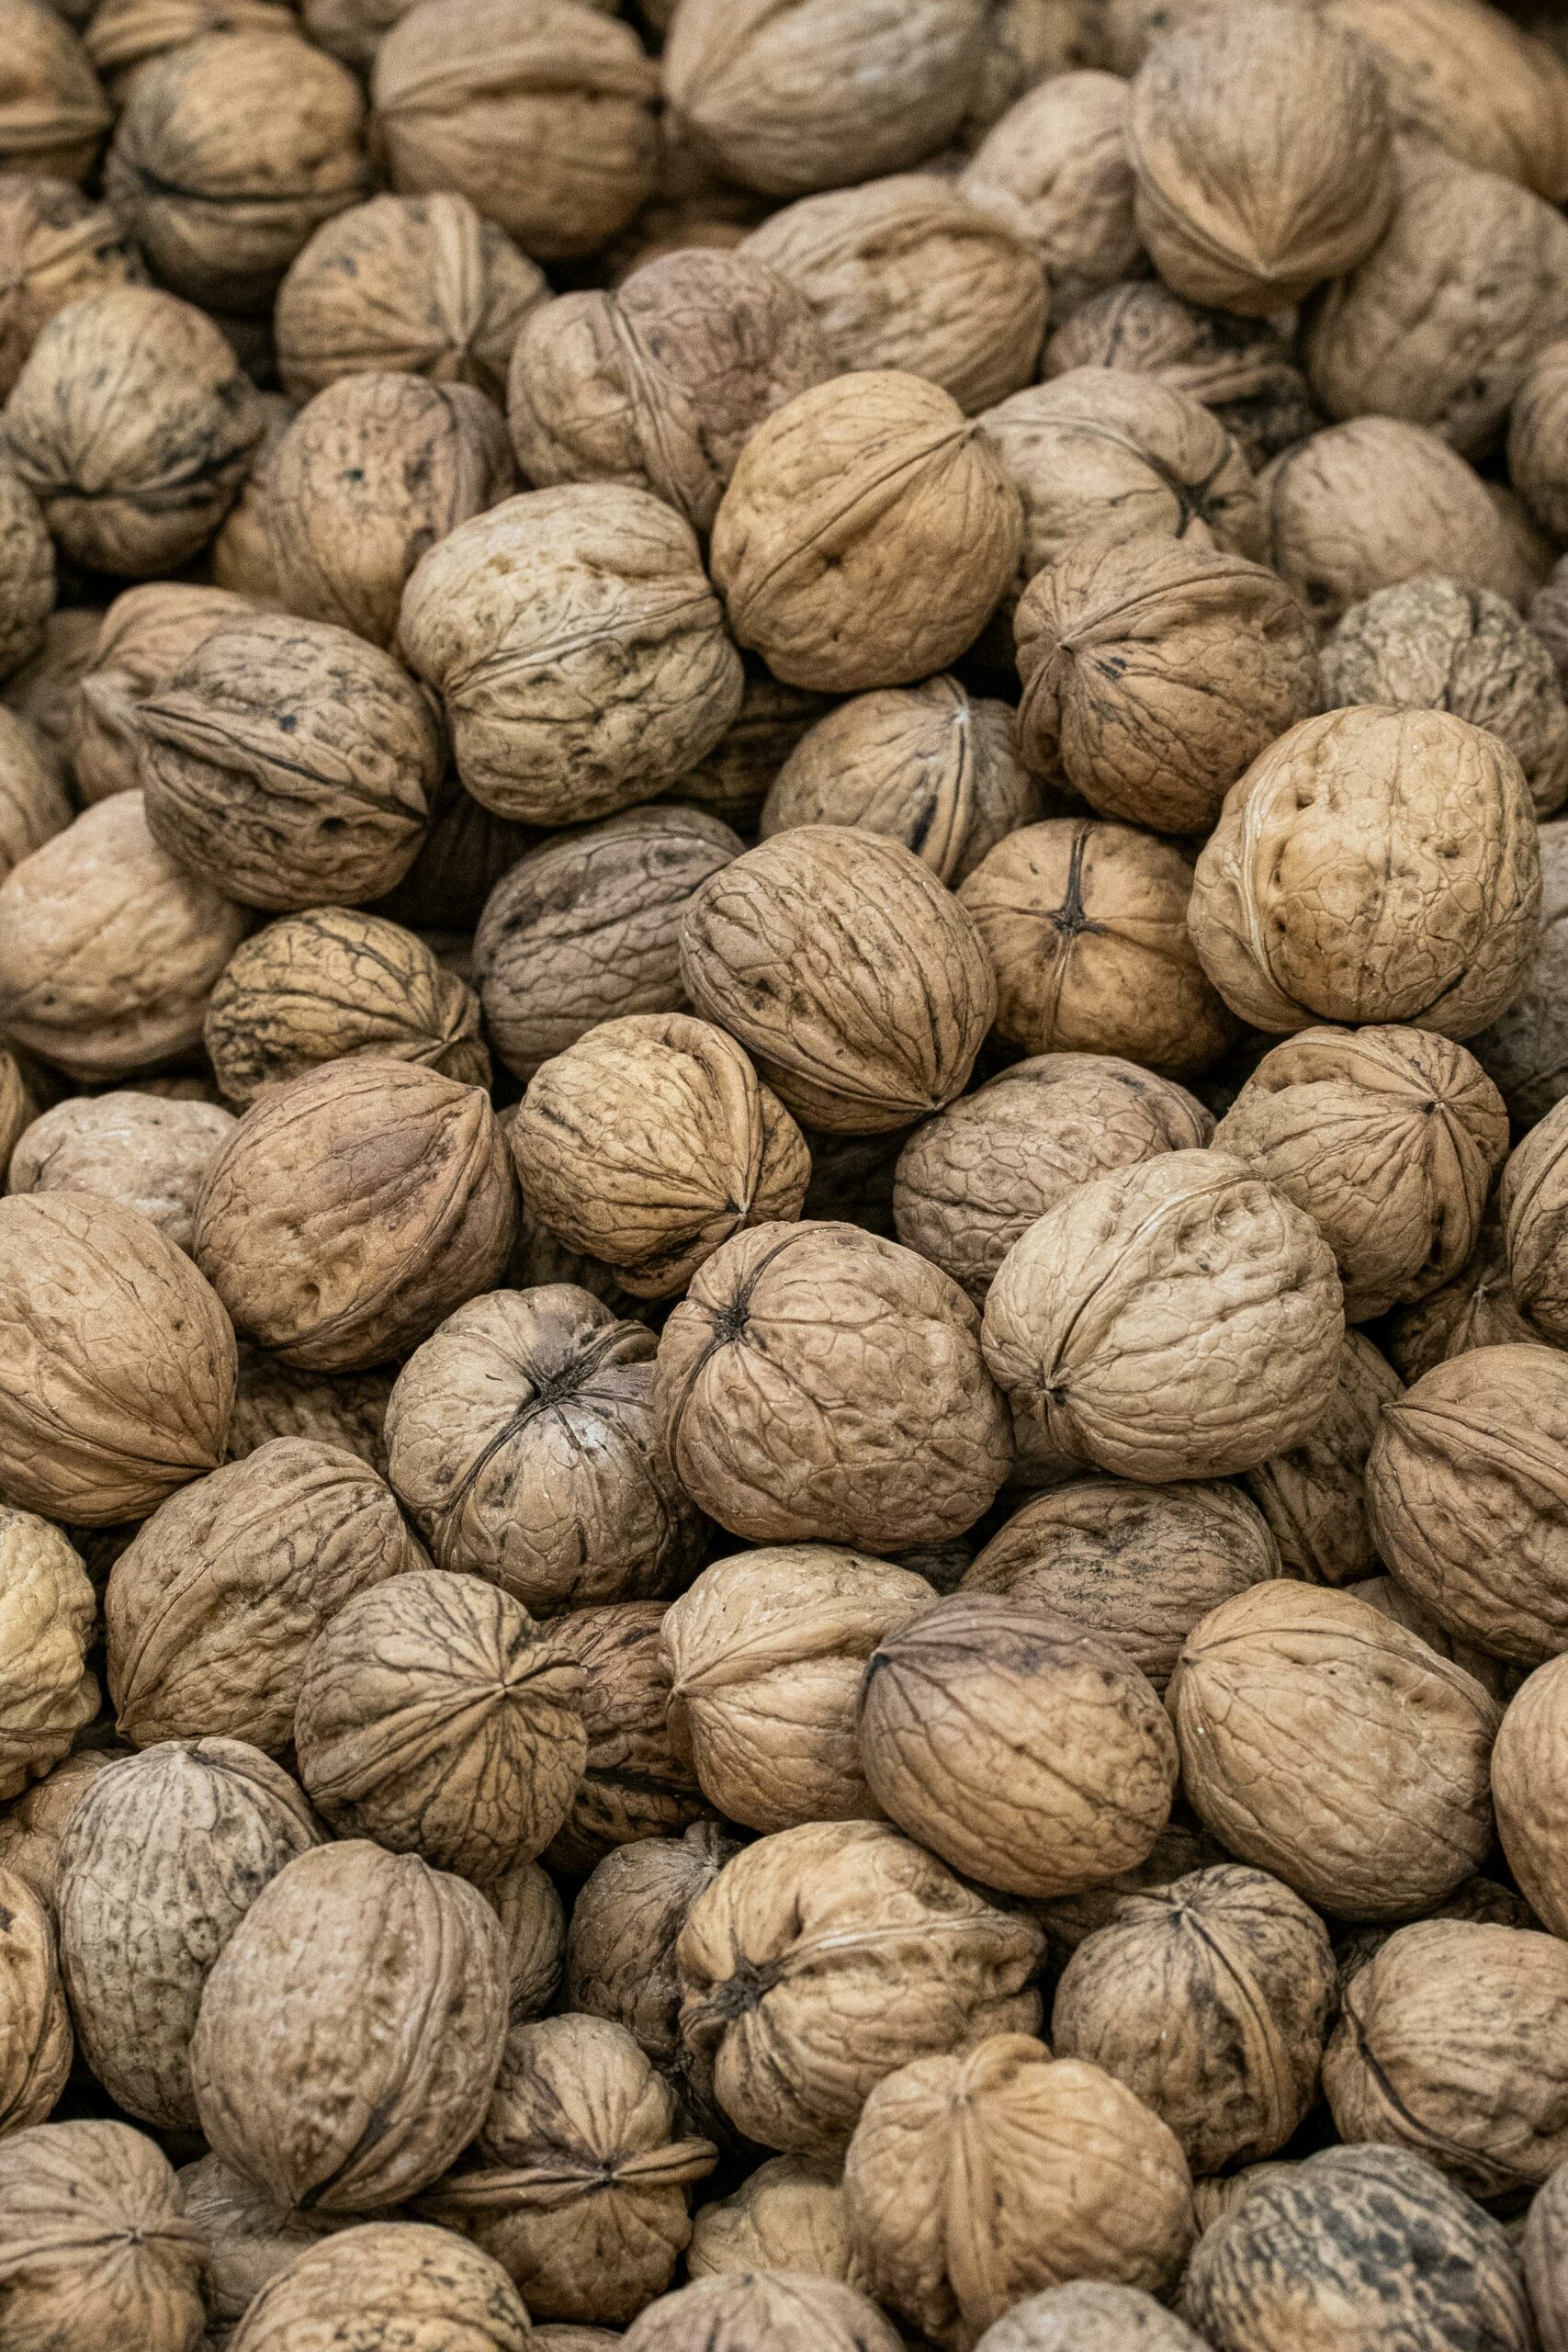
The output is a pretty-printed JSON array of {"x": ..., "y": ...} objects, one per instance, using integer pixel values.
[
  {"x": 32, "y": 1828},
  {"x": 27, "y": 567},
  {"x": 1314, "y": 1494},
  {"x": 35, "y": 2024},
  {"x": 1092, "y": 2316},
  {"x": 97, "y": 2249},
  {"x": 1055, "y": 171},
  {"x": 787, "y": 2215},
  {"x": 33, "y": 805},
  {"x": 147, "y": 1153},
  {"x": 379, "y": 2282},
  {"x": 1538, "y": 438},
  {"x": 43, "y": 691},
  {"x": 733, "y": 780},
  {"x": 635, "y": 1783},
  {"x": 785, "y": 2310},
  {"x": 273, "y": 1400},
  {"x": 120, "y": 35},
  {"x": 1473, "y": 81},
  {"x": 148, "y": 636},
  {"x": 625, "y": 1922},
  {"x": 53, "y": 113},
  {"x": 241, "y": 556},
  {"x": 1529, "y": 1789},
  {"x": 59, "y": 245}
]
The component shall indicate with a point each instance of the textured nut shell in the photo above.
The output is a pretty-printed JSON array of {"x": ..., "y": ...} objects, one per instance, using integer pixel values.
[
  {"x": 246, "y": 2237},
  {"x": 123, "y": 33},
  {"x": 33, "y": 805},
  {"x": 52, "y": 110},
  {"x": 787, "y": 2215},
  {"x": 148, "y": 635},
  {"x": 1090, "y": 2315},
  {"x": 273, "y": 1400},
  {"x": 1373, "y": 1812},
  {"x": 61, "y": 245},
  {"x": 1541, "y": 2253},
  {"x": 1314, "y": 1494},
  {"x": 1476, "y": 1310},
  {"x": 1533, "y": 1204},
  {"x": 1467, "y": 77},
  {"x": 1538, "y": 461},
  {"x": 97, "y": 2249},
  {"x": 379, "y": 2282},
  {"x": 782, "y": 2309},
  {"x": 32, "y": 1828},
  {"x": 635, "y": 1783},
  {"x": 35, "y": 2024},
  {"x": 26, "y": 589},
  {"x": 241, "y": 558},
  {"x": 625, "y": 1922},
  {"x": 17, "y": 1108},
  {"x": 148, "y": 1154},
  {"x": 733, "y": 780},
  {"x": 462, "y": 857},
  {"x": 1530, "y": 1790},
  {"x": 42, "y": 692},
  {"x": 1054, "y": 170},
  {"x": 47, "y": 1620}
]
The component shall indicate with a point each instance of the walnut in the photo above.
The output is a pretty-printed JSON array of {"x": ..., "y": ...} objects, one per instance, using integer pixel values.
[
  {"x": 358, "y": 1151},
  {"x": 1375, "y": 865},
  {"x": 787, "y": 2215},
  {"x": 1529, "y": 1792},
  {"x": 246, "y": 2236},
  {"x": 1542, "y": 2253},
  {"x": 625, "y": 1922},
  {"x": 27, "y": 582},
  {"x": 241, "y": 558},
  {"x": 1027, "y": 42},
  {"x": 734, "y": 780},
  {"x": 819, "y": 1384},
  {"x": 33, "y": 805},
  {"x": 533, "y": 1920},
  {"x": 1155, "y": 672},
  {"x": 42, "y": 693},
  {"x": 463, "y": 88},
  {"x": 1374, "y": 1810},
  {"x": 1467, "y": 77},
  {"x": 805, "y": 1935},
  {"x": 521, "y": 1438},
  {"x": 149, "y": 1155},
  {"x": 1314, "y": 1494},
  {"x": 148, "y": 635},
  {"x": 116, "y": 1362},
  {"x": 35, "y": 2024},
  {"x": 765, "y": 1653},
  {"x": 53, "y": 113},
  {"x": 60, "y": 245},
  {"x": 1537, "y": 438},
  {"x": 350, "y": 2029},
  {"x": 380, "y": 2281},
  {"x": 18, "y": 1107},
  {"x": 120, "y": 35},
  {"x": 740, "y": 2310},
  {"x": 951, "y": 2237},
  {"x": 132, "y": 424},
  {"x": 98, "y": 2249},
  {"x": 1054, "y": 170},
  {"x": 1533, "y": 1204},
  {"x": 1091, "y": 2317},
  {"x": 882, "y": 471},
  {"x": 635, "y": 1783},
  {"x": 972, "y": 1181},
  {"x": 1477, "y": 1309},
  {"x": 273, "y": 1400},
  {"x": 213, "y": 1605},
  {"x": 352, "y": 29},
  {"x": 32, "y": 1828},
  {"x": 587, "y": 927}
]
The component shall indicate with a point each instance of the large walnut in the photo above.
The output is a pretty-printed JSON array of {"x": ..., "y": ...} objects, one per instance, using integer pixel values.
[
  {"x": 1323, "y": 1742},
  {"x": 117, "y": 1361},
  {"x": 520, "y": 1437},
  {"x": 785, "y": 2310},
  {"x": 1055, "y": 172},
  {"x": 826, "y": 1957},
  {"x": 48, "y": 1616},
  {"x": 99, "y": 2254},
  {"x": 1470, "y": 79},
  {"x": 53, "y": 113},
  {"x": 148, "y": 635},
  {"x": 1090, "y": 2315},
  {"x": 819, "y": 1384},
  {"x": 32, "y": 1828},
  {"x": 1375, "y": 865},
  {"x": 35, "y": 2024},
  {"x": 213, "y": 1605},
  {"x": 274, "y": 1400},
  {"x": 353, "y": 1208},
  {"x": 378, "y": 2283},
  {"x": 33, "y": 805},
  {"x": 635, "y": 1783},
  {"x": 1314, "y": 1494},
  {"x": 148, "y": 1154},
  {"x": 1529, "y": 1789},
  {"x": 1533, "y": 1204},
  {"x": 60, "y": 245},
  {"x": 787, "y": 2215},
  {"x": 626, "y": 1923}
]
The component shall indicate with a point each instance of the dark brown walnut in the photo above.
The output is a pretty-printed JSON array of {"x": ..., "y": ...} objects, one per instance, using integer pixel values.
[
  {"x": 787, "y": 2215},
  {"x": 35, "y": 2024},
  {"x": 1055, "y": 171},
  {"x": 521, "y": 1438},
  {"x": 274, "y": 1400},
  {"x": 581, "y": 2181},
  {"x": 462, "y": 87},
  {"x": 1210, "y": 1998},
  {"x": 162, "y": 1858},
  {"x": 808, "y": 1935},
  {"x": 765, "y": 1655},
  {"x": 1470, "y": 79},
  {"x": 32, "y": 1827},
  {"x": 53, "y": 113},
  {"x": 1375, "y": 865},
  {"x": 1537, "y": 438},
  {"x": 1476, "y": 1310},
  {"x": 868, "y": 533},
  {"x": 148, "y": 1154},
  {"x": 819, "y": 1384},
  {"x": 657, "y": 383},
  {"x": 1450, "y": 2042},
  {"x": 906, "y": 273},
  {"x": 120, "y": 35},
  {"x": 933, "y": 765},
  {"x": 246, "y": 2236},
  {"x": 148, "y": 635},
  {"x": 60, "y": 245},
  {"x": 350, "y": 2029},
  {"x": 239, "y": 557},
  {"x": 42, "y": 692},
  {"x": 533, "y": 1920},
  {"x": 1545, "y": 2260},
  {"x": 98, "y": 2249},
  {"x": 382, "y": 2279},
  {"x": 1374, "y": 1810},
  {"x": 1314, "y": 1496},
  {"x": 353, "y": 1208},
  {"x": 734, "y": 780},
  {"x": 625, "y": 1922},
  {"x": 213, "y": 1606},
  {"x": 635, "y": 1783},
  {"x": 132, "y": 424},
  {"x": 33, "y": 803},
  {"x": 1533, "y": 1205},
  {"x": 1353, "y": 2248},
  {"x": 1139, "y": 1565},
  {"x": 26, "y": 582},
  {"x": 782, "y": 2309},
  {"x": 1525, "y": 1050},
  {"x": 1529, "y": 1789},
  {"x": 1090, "y": 2315}
]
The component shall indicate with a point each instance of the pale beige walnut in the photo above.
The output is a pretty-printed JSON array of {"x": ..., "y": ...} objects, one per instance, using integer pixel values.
[
  {"x": 350, "y": 2029},
  {"x": 908, "y": 273},
  {"x": 147, "y": 1153},
  {"x": 635, "y": 1781},
  {"x": 98, "y": 2252},
  {"x": 765, "y": 1653},
  {"x": 967, "y": 2187},
  {"x": 32, "y": 1827},
  {"x": 43, "y": 691},
  {"x": 148, "y": 635},
  {"x": 734, "y": 780},
  {"x": 417, "y": 284},
  {"x": 120, "y": 35},
  {"x": 533, "y": 1920},
  {"x": 354, "y": 29},
  {"x": 1093, "y": 2315},
  {"x": 60, "y": 244},
  {"x": 787, "y": 2215},
  {"x": 35, "y": 2024},
  {"x": 241, "y": 558},
  {"x": 1314, "y": 1494},
  {"x": 1027, "y": 42},
  {"x": 26, "y": 565},
  {"x": 1544, "y": 2256},
  {"x": 932, "y": 766},
  {"x": 162, "y": 1858},
  {"x": 1466, "y": 76},
  {"x": 1211, "y": 1999},
  {"x": 463, "y": 89},
  {"x": 581, "y": 2179},
  {"x": 132, "y": 424},
  {"x": 521, "y": 1438},
  {"x": 1533, "y": 1204},
  {"x": 1538, "y": 438},
  {"x": 819, "y": 1384},
  {"x": 1155, "y": 672},
  {"x": 1137, "y": 1565},
  {"x": 651, "y": 1141},
  {"x": 378, "y": 2281},
  {"x": 247, "y": 2237},
  {"x": 1477, "y": 1309},
  {"x": 1375, "y": 865},
  {"x": 1529, "y": 1789},
  {"x": 353, "y": 1208},
  {"x": 787, "y": 2310},
  {"x": 117, "y": 1361},
  {"x": 626, "y": 1923},
  {"x": 1372, "y": 1807},
  {"x": 274, "y": 1400},
  {"x": 213, "y": 1605},
  {"x": 824, "y": 1957},
  {"x": 1055, "y": 172},
  {"x": 819, "y": 92},
  {"x": 19, "y": 1106},
  {"x": 33, "y": 805},
  {"x": 53, "y": 113},
  {"x": 657, "y": 384}
]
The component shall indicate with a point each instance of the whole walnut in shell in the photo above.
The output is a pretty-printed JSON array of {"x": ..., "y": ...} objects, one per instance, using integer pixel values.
[
  {"x": 100, "y": 2257},
  {"x": 47, "y": 1619},
  {"x": 120, "y": 35},
  {"x": 18, "y": 1107},
  {"x": 635, "y": 1783},
  {"x": 35, "y": 2024},
  {"x": 626, "y": 1923},
  {"x": 381, "y": 2280},
  {"x": 1530, "y": 1790},
  {"x": 148, "y": 1154},
  {"x": 117, "y": 1361},
  {"x": 824, "y": 1957},
  {"x": 32, "y": 1828},
  {"x": 461, "y": 858},
  {"x": 60, "y": 244},
  {"x": 787, "y": 2215},
  {"x": 1538, "y": 438},
  {"x": 274, "y": 1400},
  {"x": 1374, "y": 864},
  {"x": 1470, "y": 79},
  {"x": 1314, "y": 1494},
  {"x": 240, "y": 556},
  {"x": 33, "y": 805},
  {"x": 733, "y": 780},
  {"x": 1533, "y": 1205},
  {"x": 1322, "y": 1741},
  {"x": 53, "y": 113},
  {"x": 785, "y": 2310},
  {"x": 26, "y": 587},
  {"x": 43, "y": 691},
  {"x": 148, "y": 635},
  {"x": 533, "y": 1920},
  {"x": 1477, "y": 1309},
  {"x": 1054, "y": 170},
  {"x": 353, "y": 1208},
  {"x": 1090, "y": 2315}
]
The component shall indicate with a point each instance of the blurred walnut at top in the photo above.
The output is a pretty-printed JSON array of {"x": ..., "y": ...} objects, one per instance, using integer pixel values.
[
  {"x": 58, "y": 244},
  {"x": 53, "y": 113},
  {"x": 1467, "y": 77},
  {"x": 1241, "y": 369},
  {"x": 121, "y": 35}
]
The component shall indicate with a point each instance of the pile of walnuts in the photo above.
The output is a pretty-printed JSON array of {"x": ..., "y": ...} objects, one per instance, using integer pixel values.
[{"x": 783, "y": 1133}]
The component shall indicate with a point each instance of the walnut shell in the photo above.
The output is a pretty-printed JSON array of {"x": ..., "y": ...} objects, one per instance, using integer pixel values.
[
  {"x": 1533, "y": 1205},
  {"x": 868, "y": 533},
  {"x": 98, "y": 2249},
  {"x": 1470, "y": 79},
  {"x": 785, "y": 2310},
  {"x": 148, "y": 635},
  {"x": 463, "y": 855},
  {"x": 1314, "y": 1494},
  {"x": 533, "y": 1920},
  {"x": 1476, "y": 1310},
  {"x": 35, "y": 2024},
  {"x": 60, "y": 244},
  {"x": 733, "y": 780},
  {"x": 1526, "y": 1049},
  {"x": 26, "y": 585},
  {"x": 18, "y": 1107},
  {"x": 273, "y": 1400},
  {"x": 1090, "y": 2316},
  {"x": 1538, "y": 438},
  {"x": 43, "y": 691},
  {"x": 53, "y": 113},
  {"x": 147, "y": 1153},
  {"x": 1542, "y": 2255},
  {"x": 355, "y": 1148},
  {"x": 826, "y": 1957},
  {"x": 1373, "y": 1805},
  {"x": 625, "y": 1922},
  {"x": 635, "y": 1783},
  {"x": 212, "y": 1607},
  {"x": 241, "y": 556},
  {"x": 1530, "y": 1792},
  {"x": 787, "y": 2215},
  {"x": 381, "y": 2280},
  {"x": 1054, "y": 170},
  {"x": 33, "y": 805},
  {"x": 120, "y": 35},
  {"x": 246, "y": 2237},
  {"x": 32, "y": 1828}
]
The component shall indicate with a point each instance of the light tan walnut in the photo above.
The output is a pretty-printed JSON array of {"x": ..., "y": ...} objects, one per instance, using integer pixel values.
[
  {"x": 625, "y": 1922},
  {"x": 1055, "y": 171},
  {"x": 33, "y": 1824},
  {"x": 1469, "y": 78},
  {"x": 148, "y": 635},
  {"x": 1093, "y": 2315},
  {"x": 274, "y": 1400},
  {"x": 787, "y": 2215},
  {"x": 1477, "y": 1309},
  {"x": 53, "y": 113},
  {"x": 381, "y": 2279},
  {"x": 33, "y": 805},
  {"x": 1529, "y": 1789},
  {"x": 149, "y": 1154},
  {"x": 1533, "y": 1206},
  {"x": 98, "y": 2249},
  {"x": 787, "y": 2310}
]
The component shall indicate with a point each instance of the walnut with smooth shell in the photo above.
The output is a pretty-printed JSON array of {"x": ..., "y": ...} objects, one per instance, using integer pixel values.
[
  {"x": 148, "y": 635},
  {"x": 1054, "y": 170},
  {"x": 98, "y": 2251},
  {"x": 1530, "y": 1790},
  {"x": 1533, "y": 1204},
  {"x": 1314, "y": 1494},
  {"x": 1476, "y": 1310},
  {"x": 32, "y": 1828},
  {"x": 53, "y": 113},
  {"x": 35, "y": 2024},
  {"x": 787, "y": 2215},
  {"x": 1525, "y": 1050},
  {"x": 273, "y": 1400},
  {"x": 33, "y": 805},
  {"x": 1090, "y": 2315},
  {"x": 148, "y": 1154},
  {"x": 1470, "y": 79},
  {"x": 788, "y": 2310},
  {"x": 380, "y": 2280},
  {"x": 27, "y": 582},
  {"x": 1323, "y": 1741},
  {"x": 1538, "y": 438},
  {"x": 635, "y": 1781},
  {"x": 626, "y": 1923}
]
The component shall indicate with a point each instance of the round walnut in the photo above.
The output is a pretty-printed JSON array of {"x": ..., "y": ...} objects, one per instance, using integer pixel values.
[
  {"x": 213, "y": 1605},
  {"x": 462, "y": 88},
  {"x": 47, "y": 1617},
  {"x": 1154, "y": 672},
  {"x": 1470, "y": 79},
  {"x": 787, "y": 2215},
  {"x": 379, "y": 2282},
  {"x": 1209, "y": 1998},
  {"x": 1055, "y": 172},
  {"x": 819, "y": 1384},
  {"x": 1525, "y": 1050},
  {"x": 1538, "y": 438},
  {"x": 1426, "y": 826},
  {"x": 32, "y": 1828},
  {"x": 826, "y": 1957},
  {"x": 1090, "y": 2315},
  {"x": 148, "y": 635},
  {"x": 1533, "y": 1204},
  {"x": 635, "y": 1783},
  {"x": 785, "y": 2310},
  {"x": 765, "y": 1655},
  {"x": 1529, "y": 1789},
  {"x": 626, "y": 1923},
  {"x": 27, "y": 582},
  {"x": 273, "y": 1400},
  {"x": 33, "y": 805},
  {"x": 1545, "y": 2261},
  {"x": 353, "y": 1208},
  {"x": 1323, "y": 1741},
  {"x": 521, "y": 1438},
  {"x": 657, "y": 384},
  {"x": 100, "y": 2257},
  {"x": 1314, "y": 1494},
  {"x": 867, "y": 535},
  {"x": 1476, "y": 1310},
  {"x": 350, "y": 2029},
  {"x": 132, "y": 424},
  {"x": 53, "y": 113},
  {"x": 60, "y": 245},
  {"x": 148, "y": 1153},
  {"x": 35, "y": 2024}
]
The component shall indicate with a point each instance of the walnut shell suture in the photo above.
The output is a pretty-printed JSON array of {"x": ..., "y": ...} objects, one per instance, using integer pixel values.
[
  {"x": 32, "y": 1827},
  {"x": 1472, "y": 80},
  {"x": 378, "y": 2281},
  {"x": 98, "y": 2251},
  {"x": 27, "y": 578},
  {"x": 148, "y": 635},
  {"x": 1525, "y": 1050},
  {"x": 1314, "y": 1494},
  {"x": 626, "y": 1923},
  {"x": 635, "y": 1783},
  {"x": 1477, "y": 1309},
  {"x": 53, "y": 113},
  {"x": 1541, "y": 2253},
  {"x": 274, "y": 1400},
  {"x": 1530, "y": 1790},
  {"x": 1533, "y": 1205},
  {"x": 1089, "y": 2315},
  {"x": 788, "y": 2310},
  {"x": 33, "y": 805},
  {"x": 1055, "y": 171},
  {"x": 246, "y": 2236},
  {"x": 35, "y": 2024},
  {"x": 787, "y": 2215}
]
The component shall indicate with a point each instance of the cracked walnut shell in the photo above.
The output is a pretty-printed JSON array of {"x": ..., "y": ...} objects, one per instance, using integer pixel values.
[{"x": 98, "y": 2251}]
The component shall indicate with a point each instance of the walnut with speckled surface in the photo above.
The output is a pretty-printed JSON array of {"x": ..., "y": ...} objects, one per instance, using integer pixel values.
[
  {"x": 380, "y": 2280},
  {"x": 1470, "y": 80}
]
